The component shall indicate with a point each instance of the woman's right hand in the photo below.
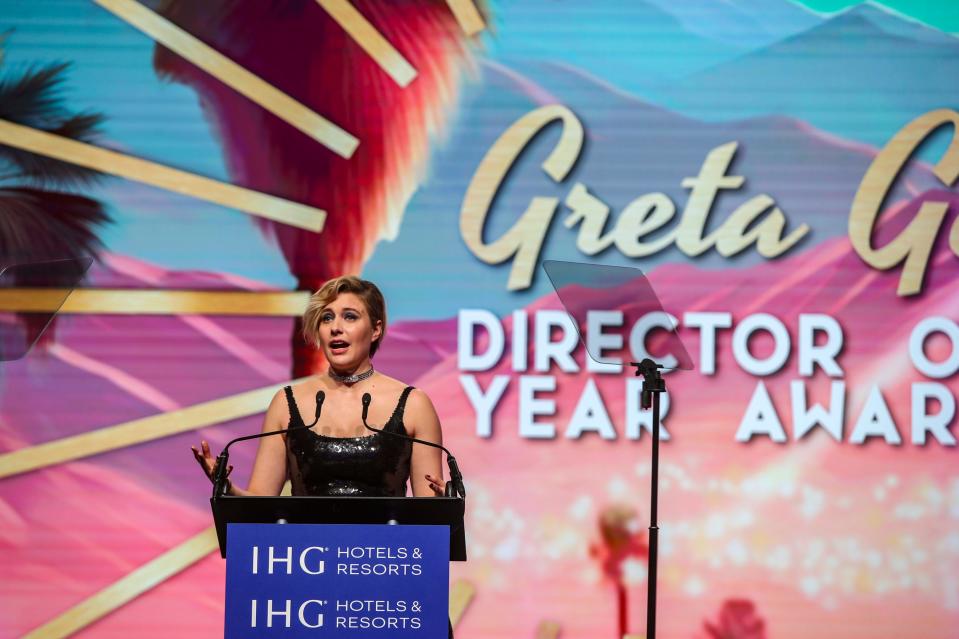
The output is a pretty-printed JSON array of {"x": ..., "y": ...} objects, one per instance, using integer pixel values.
[{"x": 207, "y": 461}]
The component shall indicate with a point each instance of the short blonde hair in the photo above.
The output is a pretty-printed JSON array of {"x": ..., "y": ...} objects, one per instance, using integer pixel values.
[{"x": 367, "y": 291}]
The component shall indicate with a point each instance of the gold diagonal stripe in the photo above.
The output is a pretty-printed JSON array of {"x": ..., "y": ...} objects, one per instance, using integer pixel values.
[
  {"x": 129, "y": 587},
  {"x": 233, "y": 75},
  {"x": 164, "y": 177},
  {"x": 466, "y": 13},
  {"x": 548, "y": 629},
  {"x": 87, "y": 301},
  {"x": 461, "y": 594},
  {"x": 138, "y": 431},
  {"x": 371, "y": 40}
]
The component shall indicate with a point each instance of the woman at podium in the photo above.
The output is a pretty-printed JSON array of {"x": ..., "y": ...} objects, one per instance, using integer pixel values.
[
  {"x": 346, "y": 319},
  {"x": 336, "y": 455}
]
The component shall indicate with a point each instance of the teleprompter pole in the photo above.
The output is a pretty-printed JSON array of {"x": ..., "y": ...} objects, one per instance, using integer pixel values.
[{"x": 653, "y": 385}]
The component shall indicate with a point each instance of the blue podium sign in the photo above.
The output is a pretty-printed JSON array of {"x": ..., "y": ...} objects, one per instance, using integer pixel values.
[{"x": 337, "y": 581}]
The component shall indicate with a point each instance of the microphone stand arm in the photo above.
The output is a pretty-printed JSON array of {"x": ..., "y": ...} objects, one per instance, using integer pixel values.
[
  {"x": 653, "y": 385},
  {"x": 455, "y": 486},
  {"x": 219, "y": 477}
]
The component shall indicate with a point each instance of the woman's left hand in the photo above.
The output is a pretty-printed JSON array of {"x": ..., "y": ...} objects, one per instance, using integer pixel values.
[{"x": 437, "y": 484}]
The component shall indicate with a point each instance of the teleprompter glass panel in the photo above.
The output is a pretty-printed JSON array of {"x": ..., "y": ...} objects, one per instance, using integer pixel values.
[{"x": 617, "y": 314}]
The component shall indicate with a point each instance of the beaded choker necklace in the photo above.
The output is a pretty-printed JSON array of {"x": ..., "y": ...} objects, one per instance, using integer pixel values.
[{"x": 349, "y": 379}]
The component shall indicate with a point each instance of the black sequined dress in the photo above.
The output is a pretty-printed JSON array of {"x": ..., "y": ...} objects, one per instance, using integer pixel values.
[{"x": 376, "y": 465}]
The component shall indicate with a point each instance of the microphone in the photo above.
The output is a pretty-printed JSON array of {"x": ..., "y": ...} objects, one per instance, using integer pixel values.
[
  {"x": 454, "y": 487},
  {"x": 219, "y": 478}
]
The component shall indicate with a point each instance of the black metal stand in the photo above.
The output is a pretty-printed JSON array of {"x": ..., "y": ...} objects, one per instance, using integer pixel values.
[{"x": 653, "y": 385}]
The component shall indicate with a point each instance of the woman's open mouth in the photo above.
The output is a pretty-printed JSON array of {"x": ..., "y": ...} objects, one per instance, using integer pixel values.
[{"x": 338, "y": 346}]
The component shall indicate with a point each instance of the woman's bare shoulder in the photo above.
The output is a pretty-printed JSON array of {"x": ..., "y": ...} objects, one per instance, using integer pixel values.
[
  {"x": 308, "y": 384},
  {"x": 420, "y": 401},
  {"x": 387, "y": 383},
  {"x": 307, "y": 388},
  {"x": 304, "y": 393}
]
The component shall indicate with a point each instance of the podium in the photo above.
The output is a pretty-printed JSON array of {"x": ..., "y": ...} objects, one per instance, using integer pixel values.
[
  {"x": 423, "y": 511},
  {"x": 380, "y": 565}
]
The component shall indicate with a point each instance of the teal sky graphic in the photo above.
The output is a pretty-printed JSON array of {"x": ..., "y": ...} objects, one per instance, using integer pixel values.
[{"x": 942, "y": 14}]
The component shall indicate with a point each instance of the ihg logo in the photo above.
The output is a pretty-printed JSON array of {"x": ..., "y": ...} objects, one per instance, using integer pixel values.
[{"x": 282, "y": 560}]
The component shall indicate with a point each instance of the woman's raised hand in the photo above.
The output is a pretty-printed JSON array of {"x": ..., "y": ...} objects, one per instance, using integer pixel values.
[
  {"x": 438, "y": 485},
  {"x": 207, "y": 461}
]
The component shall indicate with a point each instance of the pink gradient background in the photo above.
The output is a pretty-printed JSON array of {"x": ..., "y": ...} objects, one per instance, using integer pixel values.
[
  {"x": 811, "y": 538},
  {"x": 824, "y": 538}
]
